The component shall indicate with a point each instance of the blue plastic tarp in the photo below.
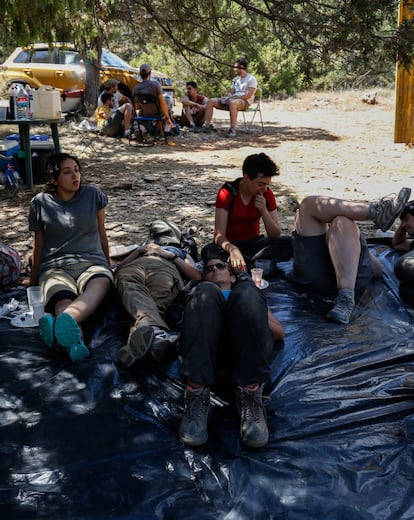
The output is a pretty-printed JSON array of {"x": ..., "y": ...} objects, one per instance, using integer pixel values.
[{"x": 89, "y": 440}]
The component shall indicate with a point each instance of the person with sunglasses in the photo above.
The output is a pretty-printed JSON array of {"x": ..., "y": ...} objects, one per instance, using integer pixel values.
[
  {"x": 226, "y": 324},
  {"x": 403, "y": 240}
]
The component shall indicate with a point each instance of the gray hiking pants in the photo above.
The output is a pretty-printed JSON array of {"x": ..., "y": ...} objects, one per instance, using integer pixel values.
[{"x": 147, "y": 286}]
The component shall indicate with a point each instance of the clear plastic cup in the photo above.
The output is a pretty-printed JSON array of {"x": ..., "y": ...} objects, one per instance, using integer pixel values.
[
  {"x": 35, "y": 301},
  {"x": 257, "y": 275}
]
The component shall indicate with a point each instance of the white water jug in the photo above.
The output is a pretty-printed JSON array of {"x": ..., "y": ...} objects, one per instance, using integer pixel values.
[{"x": 47, "y": 103}]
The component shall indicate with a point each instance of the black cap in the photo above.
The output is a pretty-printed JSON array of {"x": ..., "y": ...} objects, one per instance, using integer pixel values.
[
  {"x": 145, "y": 68},
  {"x": 213, "y": 251}
]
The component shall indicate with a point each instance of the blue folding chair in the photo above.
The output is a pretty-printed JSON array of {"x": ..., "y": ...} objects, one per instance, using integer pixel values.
[{"x": 150, "y": 118}]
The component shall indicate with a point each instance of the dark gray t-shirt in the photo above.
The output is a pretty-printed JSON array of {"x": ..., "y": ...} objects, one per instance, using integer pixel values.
[
  {"x": 71, "y": 233},
  {"x": 149, "y": 86}
]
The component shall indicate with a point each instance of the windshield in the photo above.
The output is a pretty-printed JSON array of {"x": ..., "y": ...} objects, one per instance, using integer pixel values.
[{"x": 112, "y": 60}]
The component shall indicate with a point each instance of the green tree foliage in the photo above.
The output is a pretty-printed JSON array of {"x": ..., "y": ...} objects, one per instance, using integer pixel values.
[
  {"x": 288, "y": 43},
  {"x": 350, "y": 39}
]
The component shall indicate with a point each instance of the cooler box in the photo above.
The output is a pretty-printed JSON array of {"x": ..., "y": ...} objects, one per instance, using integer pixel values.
[{"x": 8, "y": 149}]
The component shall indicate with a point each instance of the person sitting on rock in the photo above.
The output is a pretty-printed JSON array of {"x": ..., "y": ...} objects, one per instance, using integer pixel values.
[{"x": 194, "y": 106}]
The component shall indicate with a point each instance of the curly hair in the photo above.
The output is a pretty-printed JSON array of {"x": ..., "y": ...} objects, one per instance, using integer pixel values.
[{"x": 53, "y": 169}]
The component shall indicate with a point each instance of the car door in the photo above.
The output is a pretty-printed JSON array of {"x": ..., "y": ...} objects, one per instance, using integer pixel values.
[
  {"x": 42, "y": 67},
  {"x": 60, "y": 68}
]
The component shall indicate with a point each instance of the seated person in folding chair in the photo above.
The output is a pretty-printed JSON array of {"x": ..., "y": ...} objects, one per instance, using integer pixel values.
[
  {"x": 121, "y": 102},
  {"x": 241, "y": 96},
  {"x": 194, "y": 106},
  {"x": 153, "y": 88},
  {"x": 112, "y": 123}
]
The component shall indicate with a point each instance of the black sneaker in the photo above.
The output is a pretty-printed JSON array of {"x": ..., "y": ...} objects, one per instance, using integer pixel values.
[
  {"x": 139, "y": 342},
  {"x": 384, "y": 211},
  {"x": 193, "y": 427},
  {"x": 208, "y": 129},
  {"x": 253, "y": 424},
  {"x": 162, "y": 343}
]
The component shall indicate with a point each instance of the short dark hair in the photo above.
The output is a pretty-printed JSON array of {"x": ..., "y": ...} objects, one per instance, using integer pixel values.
[
  {"x": 105, "y": 96},
  {"x": 191, "y": 84},
  {"x": 259, "y": 165},
  {"x": 241, "y": 63}
]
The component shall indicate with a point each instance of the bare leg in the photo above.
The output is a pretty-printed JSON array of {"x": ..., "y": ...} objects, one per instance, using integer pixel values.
[
  {"x": 188, "y": 115},
  {"x": 234, "y": 110},
  {"x": 315, "y": 212},
  {"x": 211, "y": 105},
  {"x": 85, "y": 304},
  {"x": 344, "y": 249},
  {"x": 127, "y": 112}
]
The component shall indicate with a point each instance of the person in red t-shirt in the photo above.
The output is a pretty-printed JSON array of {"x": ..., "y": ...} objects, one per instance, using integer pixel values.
[
  {"x": 240, "y": 206},
  {"x": 194, "y": 106}
]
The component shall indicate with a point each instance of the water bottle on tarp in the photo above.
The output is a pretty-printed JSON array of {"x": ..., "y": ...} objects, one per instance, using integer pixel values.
[{"x": 22, "y": 103}]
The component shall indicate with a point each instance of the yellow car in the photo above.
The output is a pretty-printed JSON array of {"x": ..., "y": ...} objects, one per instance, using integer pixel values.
[{"x": 61, "y": 67}]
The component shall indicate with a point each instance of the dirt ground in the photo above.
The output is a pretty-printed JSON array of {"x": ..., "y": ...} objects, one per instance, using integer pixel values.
[{"x": 324, "y": 143}]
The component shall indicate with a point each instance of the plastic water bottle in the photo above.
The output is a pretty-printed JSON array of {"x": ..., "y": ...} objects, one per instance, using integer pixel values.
[
  {"x": 22, "y": 103},
  {"x": 29, "y": 91}
]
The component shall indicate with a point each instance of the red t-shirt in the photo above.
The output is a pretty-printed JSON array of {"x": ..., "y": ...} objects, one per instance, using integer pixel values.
[{"x": 243, "y": 221}]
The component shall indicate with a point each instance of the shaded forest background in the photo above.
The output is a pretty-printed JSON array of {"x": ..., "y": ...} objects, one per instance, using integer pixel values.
[{"x": 291, "y": 45}]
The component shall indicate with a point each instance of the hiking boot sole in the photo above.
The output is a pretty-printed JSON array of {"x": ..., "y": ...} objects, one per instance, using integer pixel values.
[{"x": 139, "y": 343}]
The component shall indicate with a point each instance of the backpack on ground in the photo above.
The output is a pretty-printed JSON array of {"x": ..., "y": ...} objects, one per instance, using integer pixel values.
[
  {"x": 10, "y": 266},
  {"x": 166, "y": 233}
]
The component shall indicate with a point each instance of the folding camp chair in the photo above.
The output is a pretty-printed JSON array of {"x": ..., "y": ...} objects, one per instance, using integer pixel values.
[
  {"x": 255, "y": 109},
  {"x": 148, "y": 122},
  {"x": 88, "y": 133}
]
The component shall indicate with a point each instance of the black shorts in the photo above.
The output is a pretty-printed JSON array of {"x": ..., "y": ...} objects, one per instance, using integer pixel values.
[
  {"x": 312, "y": 265},
  {"x": 113, "y": 127}
]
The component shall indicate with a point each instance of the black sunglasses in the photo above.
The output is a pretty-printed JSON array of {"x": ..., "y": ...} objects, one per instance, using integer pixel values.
[{"x": 220, "y": 267}]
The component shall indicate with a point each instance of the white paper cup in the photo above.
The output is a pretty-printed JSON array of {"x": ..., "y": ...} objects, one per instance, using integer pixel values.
[{"x": 257, "y": 275}]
